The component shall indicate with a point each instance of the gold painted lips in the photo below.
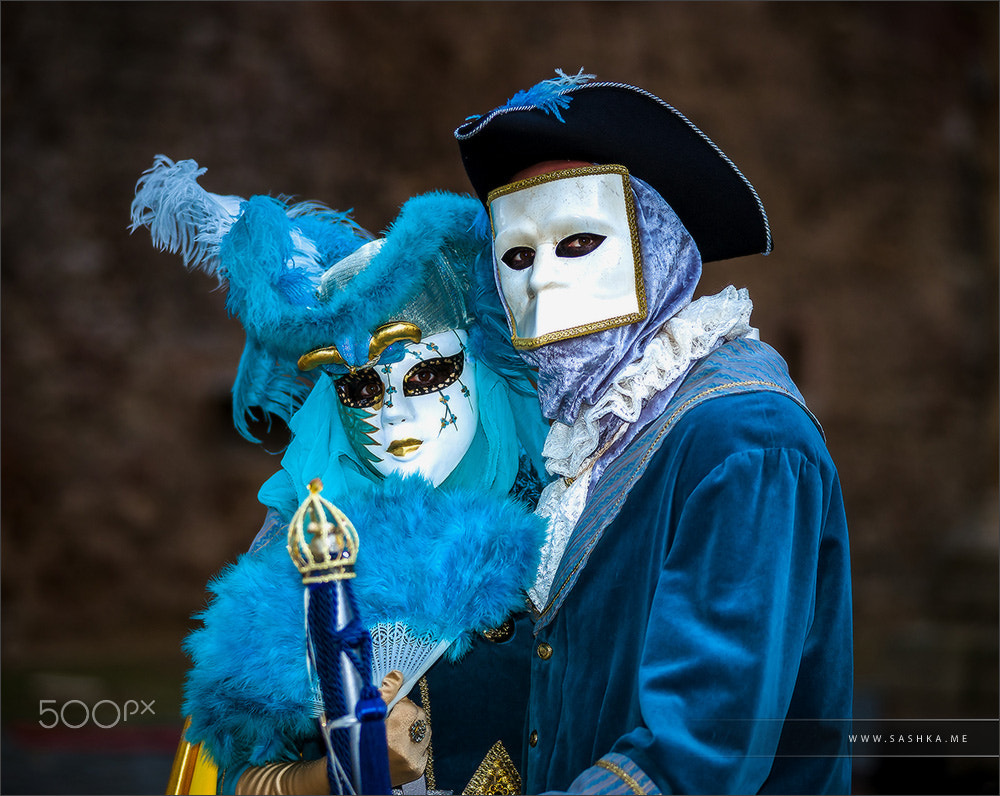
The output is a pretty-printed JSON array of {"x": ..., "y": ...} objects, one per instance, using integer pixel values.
[{"x": 404, "y": 447}]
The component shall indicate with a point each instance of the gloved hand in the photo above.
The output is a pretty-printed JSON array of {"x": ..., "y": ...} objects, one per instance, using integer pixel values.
[{"x": 408, "y": 733}]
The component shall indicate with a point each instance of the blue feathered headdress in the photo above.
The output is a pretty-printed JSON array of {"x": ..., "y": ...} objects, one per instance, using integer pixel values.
[{"x": 293, "y": 283}]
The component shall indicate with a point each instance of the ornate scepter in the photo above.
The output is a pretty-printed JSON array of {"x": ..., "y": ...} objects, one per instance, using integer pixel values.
[{"x": 324, "y": 546}]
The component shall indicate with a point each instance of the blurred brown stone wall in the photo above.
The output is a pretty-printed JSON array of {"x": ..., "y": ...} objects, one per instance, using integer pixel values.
[{"x": 869, "y": 130}]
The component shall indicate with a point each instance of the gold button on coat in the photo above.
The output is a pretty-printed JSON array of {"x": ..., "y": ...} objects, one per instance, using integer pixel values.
[
  {"x": 544, "y": 650},
  {"x": 533, "y": 738}
]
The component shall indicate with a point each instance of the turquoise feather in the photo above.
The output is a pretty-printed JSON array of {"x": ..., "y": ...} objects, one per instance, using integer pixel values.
[
  {"x": 447, "y": 563},
  {"x": 550, "y": 95}
]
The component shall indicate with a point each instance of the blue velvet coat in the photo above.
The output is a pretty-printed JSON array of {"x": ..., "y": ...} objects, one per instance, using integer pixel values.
[{"x": 699, "y": 638}]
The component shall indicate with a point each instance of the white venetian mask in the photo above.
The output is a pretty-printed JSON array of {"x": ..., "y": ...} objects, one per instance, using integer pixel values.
[
  {"x": 418, "y": 415},
  {"x": 566, "y": 254}
]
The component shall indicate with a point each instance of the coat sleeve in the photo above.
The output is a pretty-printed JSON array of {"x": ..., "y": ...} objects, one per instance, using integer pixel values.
[{"x": 728, "y": 622}]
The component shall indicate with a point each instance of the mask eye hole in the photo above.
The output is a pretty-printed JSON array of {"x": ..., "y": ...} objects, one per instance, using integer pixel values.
[
  {"x": 579, "y": 245},
  {"x": 433, "y": 375},
  {"x": 359, "y": 390},
  {"x": 519, "y": 258}
]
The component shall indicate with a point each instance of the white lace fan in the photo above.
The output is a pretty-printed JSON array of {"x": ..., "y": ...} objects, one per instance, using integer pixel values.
[{"x": 395, "y": 647}]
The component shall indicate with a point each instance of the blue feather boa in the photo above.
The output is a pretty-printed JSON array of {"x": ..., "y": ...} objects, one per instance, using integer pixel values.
[{"x": 446, "y": 562}]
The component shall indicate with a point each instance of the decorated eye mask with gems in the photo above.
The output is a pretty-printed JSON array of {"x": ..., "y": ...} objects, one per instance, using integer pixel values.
[
  {"x": 418, "y": 415},
  {"x": 566, "y": 254}
]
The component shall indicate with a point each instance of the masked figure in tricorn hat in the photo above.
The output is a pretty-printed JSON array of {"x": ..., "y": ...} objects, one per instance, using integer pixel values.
[
  {"x": 405, "y": 398},
  {"x": 693, "y": 608}
]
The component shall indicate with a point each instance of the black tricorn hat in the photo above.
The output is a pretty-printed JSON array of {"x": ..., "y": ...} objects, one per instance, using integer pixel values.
[{"x": 598, "y": 122}]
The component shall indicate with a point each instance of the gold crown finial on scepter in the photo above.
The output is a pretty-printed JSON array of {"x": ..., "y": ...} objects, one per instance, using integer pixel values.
[{"x": 321, "y": 540}]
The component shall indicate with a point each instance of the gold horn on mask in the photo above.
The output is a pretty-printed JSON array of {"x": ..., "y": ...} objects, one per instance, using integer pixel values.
[
  {"x": 321, "y": 356},
  {"x": 383, "y": 337},
  {"x": 389, "y": 333}
]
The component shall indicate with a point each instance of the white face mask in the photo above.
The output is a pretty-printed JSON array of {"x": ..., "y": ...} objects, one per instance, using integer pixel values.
[
  {"x": 566, "y": 253},
  {"x": 418, "y": 415}
]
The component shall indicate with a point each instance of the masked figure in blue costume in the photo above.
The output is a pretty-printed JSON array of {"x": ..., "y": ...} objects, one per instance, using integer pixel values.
[
  {"x": 405, "y": 398},
  {"x": 693, "y": 606}
]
